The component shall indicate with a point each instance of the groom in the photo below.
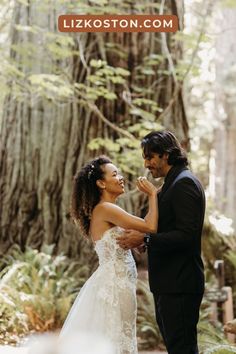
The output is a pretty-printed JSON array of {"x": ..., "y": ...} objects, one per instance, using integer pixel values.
[{"x": 176, "y": 272}]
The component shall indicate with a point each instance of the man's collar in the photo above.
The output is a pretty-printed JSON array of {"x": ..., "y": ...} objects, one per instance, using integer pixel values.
[
  {"x": 174, "y": 171},
  {"x": 171, "y": 175}
]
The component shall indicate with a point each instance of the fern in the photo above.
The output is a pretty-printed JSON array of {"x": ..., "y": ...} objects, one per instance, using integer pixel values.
[
  {"x": 221, "y": 349},
  {"x": 36, "y": 291}
]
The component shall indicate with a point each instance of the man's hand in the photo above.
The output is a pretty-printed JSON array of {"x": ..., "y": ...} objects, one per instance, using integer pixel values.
[
  {"x": 130, "y": 239},
  {"x": 141, "y": 249}
]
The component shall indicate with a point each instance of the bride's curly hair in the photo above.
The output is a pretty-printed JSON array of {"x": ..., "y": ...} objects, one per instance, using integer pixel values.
[{"x": 86, "y": 193}]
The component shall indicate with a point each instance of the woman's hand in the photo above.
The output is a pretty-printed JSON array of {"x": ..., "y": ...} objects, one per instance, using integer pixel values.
[{"x": 146, "y": 187}]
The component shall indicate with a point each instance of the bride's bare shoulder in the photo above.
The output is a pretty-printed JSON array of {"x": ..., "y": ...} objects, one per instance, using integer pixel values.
[
  {"x": 104, "y": 207},
  {"x": 99, "y": 224}
]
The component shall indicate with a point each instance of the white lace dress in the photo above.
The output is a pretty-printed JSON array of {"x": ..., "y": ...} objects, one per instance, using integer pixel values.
[{"x": 106, "y": 303}]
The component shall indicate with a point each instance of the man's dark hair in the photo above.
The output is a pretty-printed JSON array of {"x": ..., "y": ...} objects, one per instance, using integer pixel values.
[{"x": 161, "y": 142}]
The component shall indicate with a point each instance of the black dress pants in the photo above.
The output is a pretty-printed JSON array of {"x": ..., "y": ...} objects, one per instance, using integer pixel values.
[{"x": 177, "y": 317}]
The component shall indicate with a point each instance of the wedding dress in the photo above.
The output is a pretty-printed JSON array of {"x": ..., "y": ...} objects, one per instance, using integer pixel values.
[{"x": 106, "y": 304}]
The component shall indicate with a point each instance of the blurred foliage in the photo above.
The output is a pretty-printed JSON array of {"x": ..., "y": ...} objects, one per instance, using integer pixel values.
[
  {"x": 218, "y": 246},
  {"x": 211, "y": 336},
  {"x": 36, "y": 291},
  {"x": 147, "y": 331},
  {"x": 228, "y": 3},
  {"x": 219, "y": 349}
]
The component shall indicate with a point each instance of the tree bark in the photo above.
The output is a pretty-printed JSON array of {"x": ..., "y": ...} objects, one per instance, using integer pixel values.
[
  {"x": 223, "y": 160},
  {"x": 44, "y": 143}
]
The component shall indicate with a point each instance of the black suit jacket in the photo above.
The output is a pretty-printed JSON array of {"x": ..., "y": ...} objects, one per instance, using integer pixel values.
[{"x": 174, "y": 252}]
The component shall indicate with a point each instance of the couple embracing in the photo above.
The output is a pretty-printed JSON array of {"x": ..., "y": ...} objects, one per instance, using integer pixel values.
[{"x": 171, "y": 233}]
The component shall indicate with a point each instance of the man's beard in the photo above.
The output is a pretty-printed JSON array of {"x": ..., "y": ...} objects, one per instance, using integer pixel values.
[{"x": 157, "y": 173}]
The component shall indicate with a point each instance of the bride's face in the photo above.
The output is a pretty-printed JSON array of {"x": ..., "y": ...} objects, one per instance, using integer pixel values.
[{"x": 113, "y": 180}]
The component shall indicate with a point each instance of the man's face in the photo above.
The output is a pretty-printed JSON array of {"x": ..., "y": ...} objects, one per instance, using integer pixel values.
[{"x": 158, "y": 166}]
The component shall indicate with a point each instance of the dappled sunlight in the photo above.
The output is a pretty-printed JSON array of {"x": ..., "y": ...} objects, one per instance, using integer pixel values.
[{"x": 222, "y": 224}]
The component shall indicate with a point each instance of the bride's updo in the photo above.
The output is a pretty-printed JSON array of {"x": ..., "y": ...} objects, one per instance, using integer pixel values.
[{"x": 86, "y": 194}]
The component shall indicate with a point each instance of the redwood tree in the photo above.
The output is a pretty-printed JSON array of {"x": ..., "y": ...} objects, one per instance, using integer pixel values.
[
  {"x": 224, "y": 170},
  {"x": 55, "y": 108}
]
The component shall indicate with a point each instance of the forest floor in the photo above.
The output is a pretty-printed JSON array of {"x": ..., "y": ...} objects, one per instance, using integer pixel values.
[
  {"x": 5, "y": 349},
  {"x": 152, "y": 352}
]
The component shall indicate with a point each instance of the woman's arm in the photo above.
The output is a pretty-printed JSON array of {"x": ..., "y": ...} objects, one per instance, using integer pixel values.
[{"x": 113, "y": 214}]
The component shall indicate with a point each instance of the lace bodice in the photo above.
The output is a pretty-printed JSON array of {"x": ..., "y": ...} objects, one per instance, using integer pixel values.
[{"x": 110, "y": 253}]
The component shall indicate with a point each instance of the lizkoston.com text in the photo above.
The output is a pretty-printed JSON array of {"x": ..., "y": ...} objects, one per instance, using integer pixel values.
[{"x": 117, "y": 23}]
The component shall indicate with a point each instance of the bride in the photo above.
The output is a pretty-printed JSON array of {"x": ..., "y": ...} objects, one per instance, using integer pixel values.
[{"x": 106, "y": 304}]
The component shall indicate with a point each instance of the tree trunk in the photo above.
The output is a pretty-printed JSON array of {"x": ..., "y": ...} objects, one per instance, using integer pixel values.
[
  {"x": 223, "y": 159},
  {"x": 44, "y": 142}
]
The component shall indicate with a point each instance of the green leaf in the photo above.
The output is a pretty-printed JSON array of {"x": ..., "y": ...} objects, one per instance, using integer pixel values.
[
  {"x": 117, "y": 80},
  {"x": 147, "y": 71},
  {"x": 62, "y": 39},
  {"x": 97, "y": 143},
  {"x": 99, "y": 2},
  {"x": 12, "y": 70},
  {"x": 31, "y": 29},
  {"x": 144, "y": 114},
  {"x": 144, "y": 101},
  {"x": 110, "y": 96},
  {"x": 122, "y": 72},
  {"x": 96, "y": 80},
  {"x": 97, "y": 63},
  {"x": 59, "y": 51}
]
